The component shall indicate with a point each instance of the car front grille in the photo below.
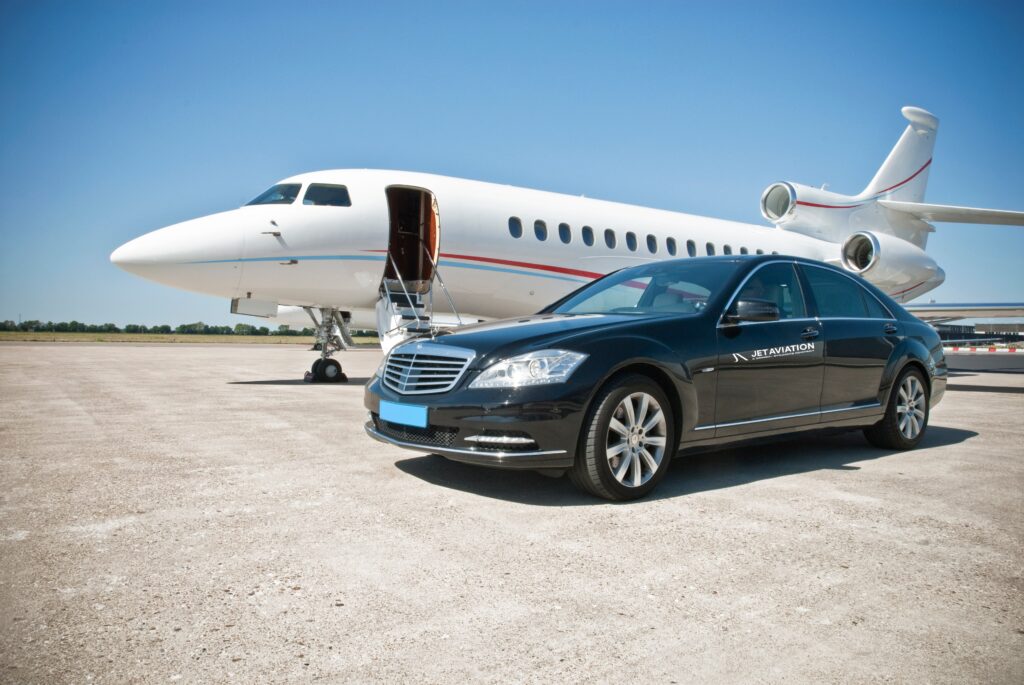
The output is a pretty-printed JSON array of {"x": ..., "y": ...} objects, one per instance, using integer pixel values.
[
  {"x": 420, "y": 368},
  {"x": 431, "y": 436}
]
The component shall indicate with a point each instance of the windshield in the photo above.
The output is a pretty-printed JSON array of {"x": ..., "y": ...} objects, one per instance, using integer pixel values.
[
  {"x": 281, "y": 194},
  {"x": 662, "y": 288}
]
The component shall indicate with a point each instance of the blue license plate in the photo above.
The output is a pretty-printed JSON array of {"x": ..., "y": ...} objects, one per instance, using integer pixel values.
[{"x": 405, "y": 414}]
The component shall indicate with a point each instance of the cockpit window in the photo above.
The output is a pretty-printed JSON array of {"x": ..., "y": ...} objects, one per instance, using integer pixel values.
[
  {"x": 330, "y": 196},
  {"x": 281, "y": 194}
]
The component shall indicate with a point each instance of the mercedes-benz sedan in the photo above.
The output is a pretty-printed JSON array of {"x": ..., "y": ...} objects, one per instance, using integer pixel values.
[{"x": 615, "y": 379}]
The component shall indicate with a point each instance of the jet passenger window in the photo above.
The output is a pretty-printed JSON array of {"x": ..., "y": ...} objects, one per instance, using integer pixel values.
[
  {"x": 670, "y": 245},
  {"x": 515, "y": 227},
  {"x": 588, "y": 235},
  {"x": 281, "y": 194},
  {"x": 631, "y": 241},
  {"x": 564, "y": 233},
  {"x": 776, "y": 283},
  {"x": 652, "y": 244},
  {"x": 540, "y": 229},
  {"x": 711, "y": 249},
  {"x": 836, "y": 295},
  {"x": 727, "y": 249},
  {"x": 609, "y": 238},
  {"x": 327, "y": 196},
  {"x": 691, "y": 248}
]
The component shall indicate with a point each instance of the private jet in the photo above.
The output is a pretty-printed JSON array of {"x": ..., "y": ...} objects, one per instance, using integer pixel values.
[{"x": 410, "y": 253}]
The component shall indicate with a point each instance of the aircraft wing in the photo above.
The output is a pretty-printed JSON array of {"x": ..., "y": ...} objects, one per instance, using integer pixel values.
[
  {"x": 952, "y": 213},
  {"x": 939, "y": 313}
]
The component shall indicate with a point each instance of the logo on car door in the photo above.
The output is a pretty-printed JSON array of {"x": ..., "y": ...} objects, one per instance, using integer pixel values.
[{"x": 774, "y": 352}]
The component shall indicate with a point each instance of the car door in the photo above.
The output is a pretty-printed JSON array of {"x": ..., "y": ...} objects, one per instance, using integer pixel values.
[
  {"x": 769, "y": 372},
  {"x": 859, "y": 334}
]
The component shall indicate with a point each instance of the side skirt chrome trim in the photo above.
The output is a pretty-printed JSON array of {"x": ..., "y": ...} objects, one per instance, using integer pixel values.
[{"x": 874, "y": 405}]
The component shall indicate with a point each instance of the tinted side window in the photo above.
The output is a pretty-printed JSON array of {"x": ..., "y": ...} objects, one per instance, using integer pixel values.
[
  {"x": 875, "y": 310},
  {"x": 776, "y": 283},
  {"x": 328, "y": 196},
  {"x": 835, "y": 294}
]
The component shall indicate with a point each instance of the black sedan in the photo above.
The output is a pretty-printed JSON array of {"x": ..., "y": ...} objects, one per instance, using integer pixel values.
[{"x": 612, "y": 381}]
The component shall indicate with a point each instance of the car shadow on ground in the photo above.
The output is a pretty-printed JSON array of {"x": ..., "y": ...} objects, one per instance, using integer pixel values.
[
  {"x": 299, "y": 381},
  {"x": 689, "y": 473}
]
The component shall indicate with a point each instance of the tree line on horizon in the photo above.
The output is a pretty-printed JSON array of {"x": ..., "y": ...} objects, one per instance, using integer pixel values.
[{"x": 197, "y": 328}]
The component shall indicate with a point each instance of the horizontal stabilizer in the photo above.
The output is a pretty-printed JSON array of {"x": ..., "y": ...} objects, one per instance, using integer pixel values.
[
  {"x": 962, "y": 215},
  {"x": 935, "y": 312}
]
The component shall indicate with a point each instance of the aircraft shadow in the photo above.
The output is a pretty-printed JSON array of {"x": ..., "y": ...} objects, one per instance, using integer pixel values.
[
  {"x": 298, "y": 381},
  {"x": 689, "y": 473}
]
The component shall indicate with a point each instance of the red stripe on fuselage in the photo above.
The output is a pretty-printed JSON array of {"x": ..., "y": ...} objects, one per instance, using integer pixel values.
[{"x": 512, "y": 262}]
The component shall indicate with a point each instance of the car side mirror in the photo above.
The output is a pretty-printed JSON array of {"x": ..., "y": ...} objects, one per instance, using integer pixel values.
[{"x": 752, "y": 310}]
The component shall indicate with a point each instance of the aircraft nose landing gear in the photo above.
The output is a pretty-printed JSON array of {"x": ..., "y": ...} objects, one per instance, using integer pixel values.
[{"x": 332, "y": 335}]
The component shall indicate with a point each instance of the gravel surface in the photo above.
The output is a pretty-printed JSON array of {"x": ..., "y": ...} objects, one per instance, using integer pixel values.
[{"x": 198, "y": 514}]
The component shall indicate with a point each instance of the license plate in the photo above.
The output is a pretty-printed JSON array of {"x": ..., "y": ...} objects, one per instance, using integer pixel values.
[{"x": 405, "y": 414}]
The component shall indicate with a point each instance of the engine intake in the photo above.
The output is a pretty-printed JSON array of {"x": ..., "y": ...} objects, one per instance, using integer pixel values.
[
  {"x": 778, "y": 201},
  {"x": 860, "y": 252}
]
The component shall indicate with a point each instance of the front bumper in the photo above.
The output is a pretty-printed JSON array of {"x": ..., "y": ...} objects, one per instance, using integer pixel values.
[{"x": 467, "y": 425}]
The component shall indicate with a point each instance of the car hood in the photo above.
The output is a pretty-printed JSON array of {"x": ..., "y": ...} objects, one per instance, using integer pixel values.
[{"x": 523, "y": 334}]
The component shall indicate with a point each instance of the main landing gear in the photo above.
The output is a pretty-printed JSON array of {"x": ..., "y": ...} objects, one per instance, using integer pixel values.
[{"x": 332, "y": 335}]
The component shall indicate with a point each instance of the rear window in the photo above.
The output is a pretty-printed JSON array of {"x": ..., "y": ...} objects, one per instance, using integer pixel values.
[
  {"x": 327, "y": 195},
  {"x": 281, "y": 194},
  {"x": 839, "y": 296}
]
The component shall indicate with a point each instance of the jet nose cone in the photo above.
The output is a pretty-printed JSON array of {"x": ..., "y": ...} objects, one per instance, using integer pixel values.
[{"x": 134, "y": 255}]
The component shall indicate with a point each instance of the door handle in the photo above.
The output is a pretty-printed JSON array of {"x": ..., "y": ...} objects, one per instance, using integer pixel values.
[
  {"x": 276, "y": 234},
  {"x": 810, "y": 333},
  {"x": 290, "y": 262},
  {"x": 890, "y": 329}
]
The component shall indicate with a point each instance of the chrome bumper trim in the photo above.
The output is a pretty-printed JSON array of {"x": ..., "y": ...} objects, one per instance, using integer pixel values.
[{"x": 376, "y": 435}]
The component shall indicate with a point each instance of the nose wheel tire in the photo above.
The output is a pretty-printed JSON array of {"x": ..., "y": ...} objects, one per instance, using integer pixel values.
[
  {"x": 906, "y": 416},
  {"x": 328, "y": 371},
  {"x": 627, "y": 440}
]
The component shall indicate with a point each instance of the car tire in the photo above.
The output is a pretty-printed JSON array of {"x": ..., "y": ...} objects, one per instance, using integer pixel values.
[
  {"x": 906, "y": 416},
  {"x": 624, "y": 452}
]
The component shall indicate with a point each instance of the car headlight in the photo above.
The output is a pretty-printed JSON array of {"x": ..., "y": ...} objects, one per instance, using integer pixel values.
[{"x": 533, "y": 368}]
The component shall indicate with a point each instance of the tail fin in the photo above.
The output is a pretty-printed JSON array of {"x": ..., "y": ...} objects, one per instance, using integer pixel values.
[{"x": 904, "y": 174}]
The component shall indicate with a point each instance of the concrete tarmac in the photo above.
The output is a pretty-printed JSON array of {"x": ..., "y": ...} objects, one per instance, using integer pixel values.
[{"x": 192, "y": 513}]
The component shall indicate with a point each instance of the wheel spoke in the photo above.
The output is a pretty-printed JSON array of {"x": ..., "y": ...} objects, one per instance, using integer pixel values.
[
  {"x": 641, "y": 412},
  {"x": 915, "y": 426},
  {"x": 637, "y": 472},
  {"x": 919, "y": 413},
  {"x": 649, "y": 460},
  {"x": 903, "y": 394},
  {"x": 616, "y": 449},
  {"x": 627, "y": 404},
  {"x": 656, "y": 440},
  {"x": 903, "y": 423},
  {"x": 654, "y": 421},
  {"x": 617, "y": 426},
  {"x": 627, "y": 461}
]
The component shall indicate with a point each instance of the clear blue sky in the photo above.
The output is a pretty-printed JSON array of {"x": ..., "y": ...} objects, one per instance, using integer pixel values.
[{"x": 119, "y": 118}]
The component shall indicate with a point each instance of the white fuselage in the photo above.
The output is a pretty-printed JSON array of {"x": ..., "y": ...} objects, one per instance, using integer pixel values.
[{"x": 331, "y": 256}]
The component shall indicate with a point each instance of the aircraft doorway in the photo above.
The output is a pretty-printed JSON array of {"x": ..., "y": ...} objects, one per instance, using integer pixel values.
[{"x": 413, "y": 242}]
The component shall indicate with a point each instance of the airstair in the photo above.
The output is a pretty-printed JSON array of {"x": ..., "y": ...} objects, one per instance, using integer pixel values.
[{"x": 406, "y": 310}]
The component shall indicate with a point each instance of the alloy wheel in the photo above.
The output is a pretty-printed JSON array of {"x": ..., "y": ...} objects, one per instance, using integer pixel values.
[{"x": 637, "y": 436}]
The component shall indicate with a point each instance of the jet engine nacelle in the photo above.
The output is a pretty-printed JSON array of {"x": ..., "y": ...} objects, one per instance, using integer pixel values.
[
  {"x": 889, "y": 261},
  {"x": 811, "y": 211}
]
